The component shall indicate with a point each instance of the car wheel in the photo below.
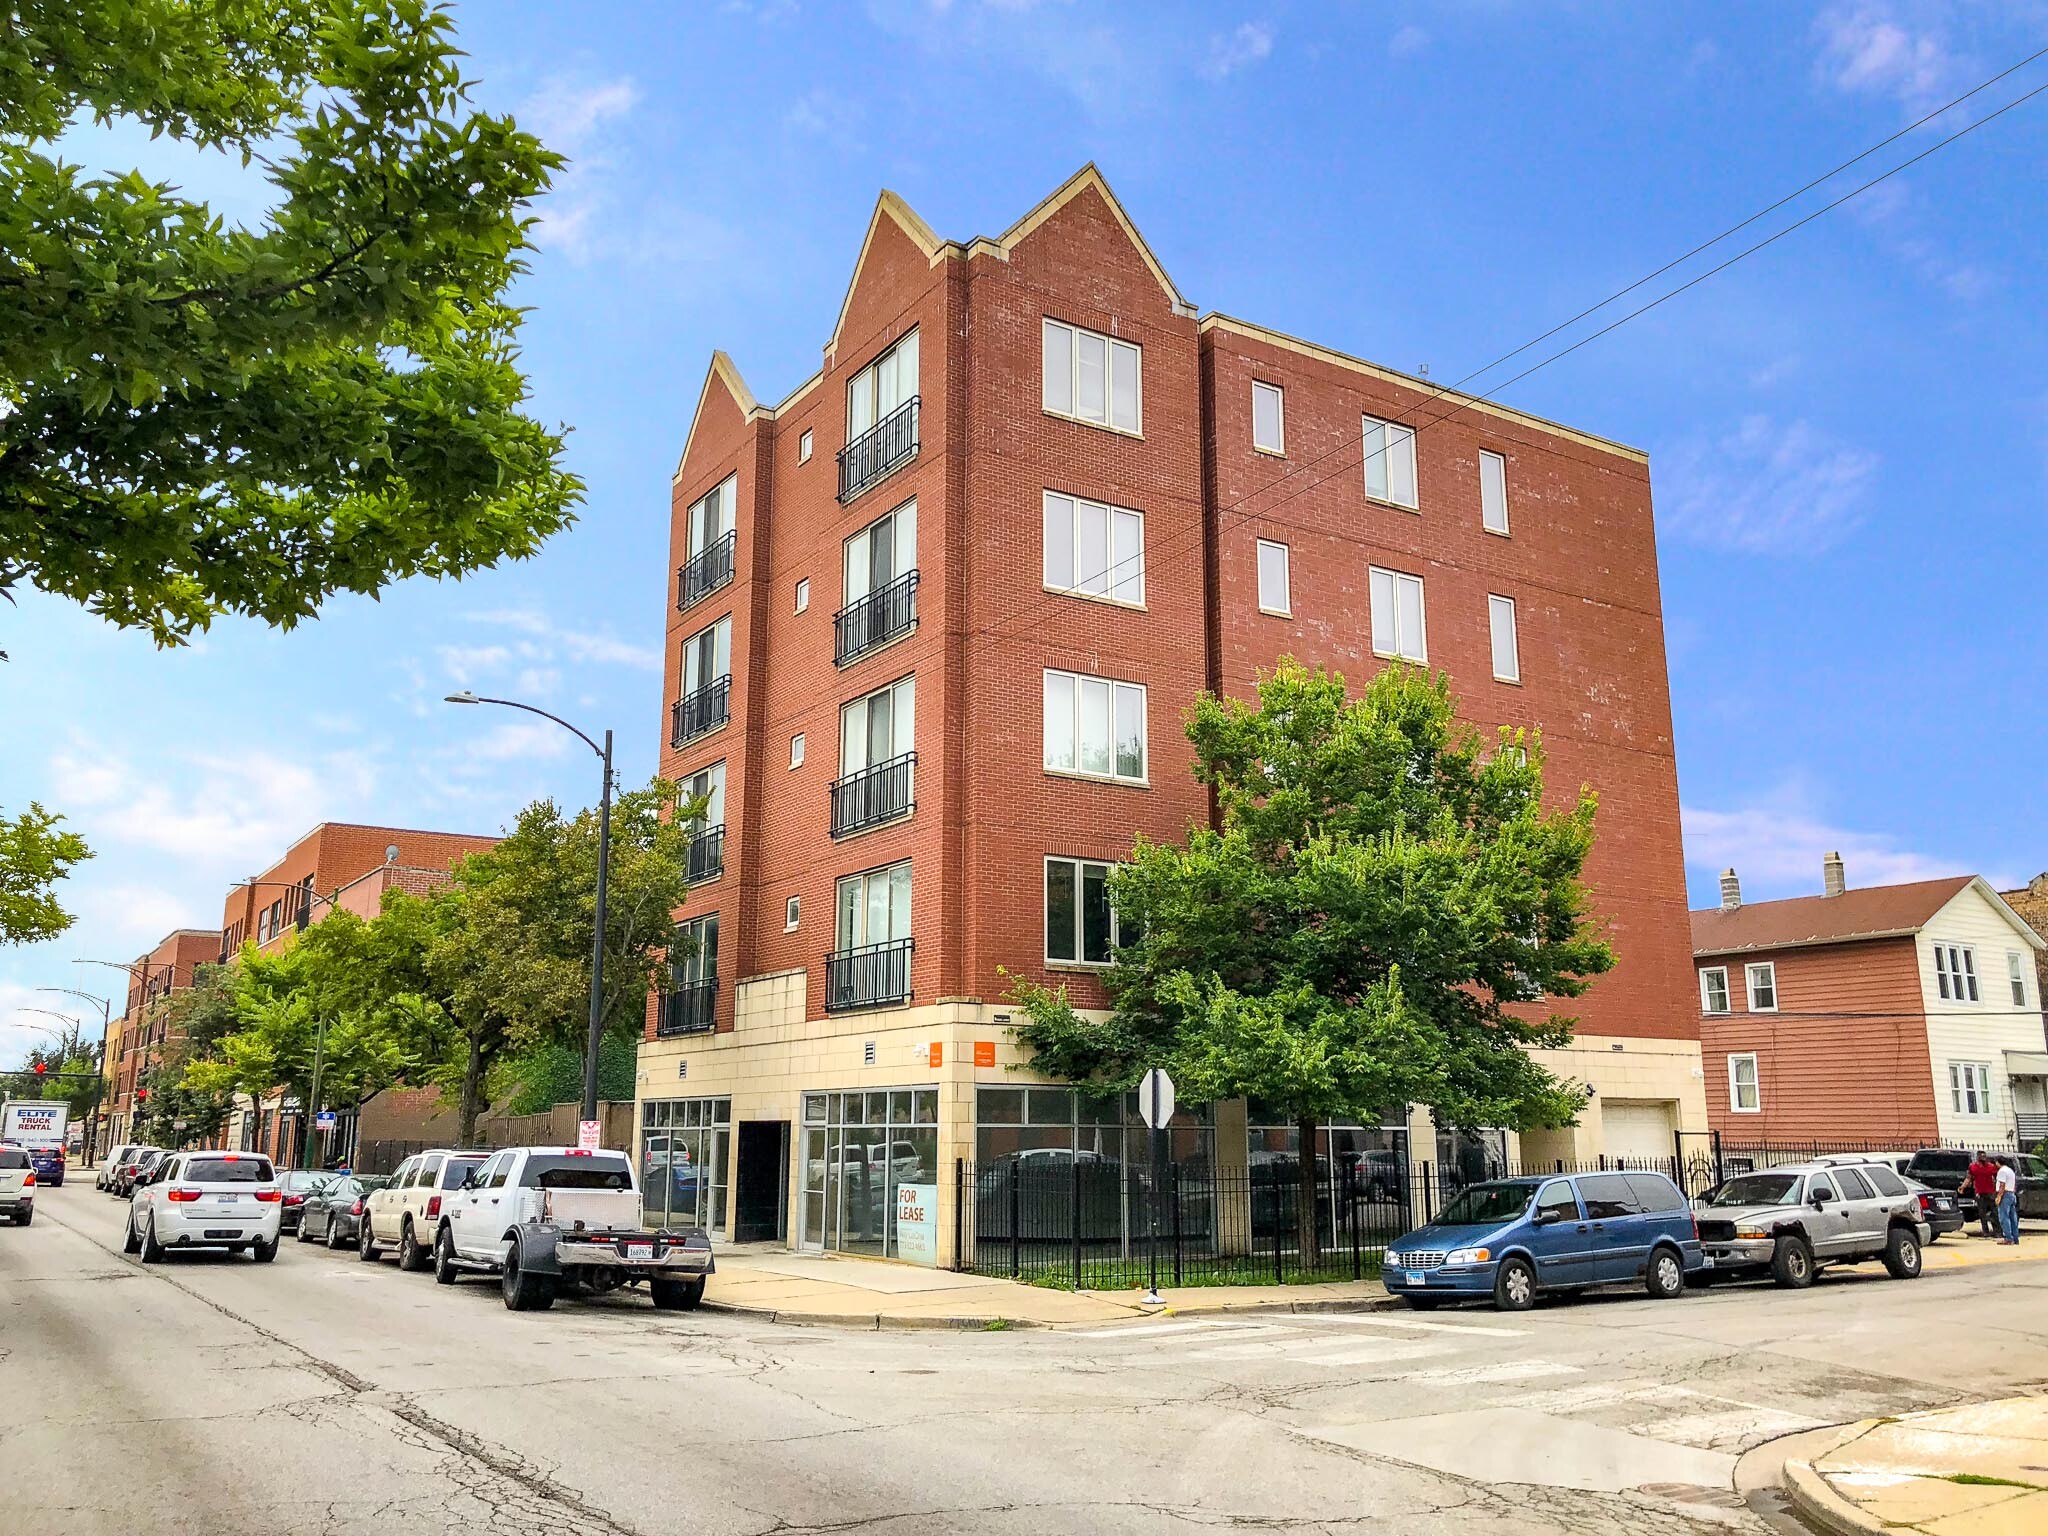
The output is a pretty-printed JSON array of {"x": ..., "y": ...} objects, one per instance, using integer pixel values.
[
  {"x": 444, "y": 1258},
  {"x": 409, "y": 1256},
  {"x": 263, "y": 1252},
  {"x": 1792, "y": 1263},
  {"x": 1902, "y": 1254},
  {"x": 676, "y": 1295},
  {"x": 524, "y": 1292},
  {"x": 335, "y": 1241},
  {"x": 302, "y": 1235},
  {"x": 366, "y": 1242},
  {"x": 131, "y": 1240},
  {"x": 1665, "y": 1276},
  {"x": 152, "y": 1250},
  {"x": 1514, "y": 1287},
  {"x": 1423, "y": 1303}
]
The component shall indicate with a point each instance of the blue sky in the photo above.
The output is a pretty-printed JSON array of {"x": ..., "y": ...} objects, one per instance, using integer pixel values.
[{"x": 1849, "y": 432}]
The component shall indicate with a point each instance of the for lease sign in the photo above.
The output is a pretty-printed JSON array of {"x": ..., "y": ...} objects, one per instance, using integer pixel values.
[{"x": 34, "y": 1124}]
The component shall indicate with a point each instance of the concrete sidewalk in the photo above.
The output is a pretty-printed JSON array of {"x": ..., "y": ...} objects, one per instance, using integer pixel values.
[{"x": 1980, "y": 1470}]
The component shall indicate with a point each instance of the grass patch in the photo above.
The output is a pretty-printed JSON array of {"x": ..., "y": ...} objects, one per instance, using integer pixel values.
[
  {"x": 1979, "y": 1480},
  {"x": 996, "y": 1325}
]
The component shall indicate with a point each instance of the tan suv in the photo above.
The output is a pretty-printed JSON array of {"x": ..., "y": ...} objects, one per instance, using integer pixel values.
[{"x": 405, "y": 1213}]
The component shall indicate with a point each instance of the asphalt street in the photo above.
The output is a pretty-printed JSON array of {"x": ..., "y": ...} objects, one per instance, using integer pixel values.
[{"x": 324, "y": 1396}]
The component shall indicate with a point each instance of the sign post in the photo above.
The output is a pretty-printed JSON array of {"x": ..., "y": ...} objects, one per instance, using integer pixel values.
[{"x": 1155, "y": 1106}]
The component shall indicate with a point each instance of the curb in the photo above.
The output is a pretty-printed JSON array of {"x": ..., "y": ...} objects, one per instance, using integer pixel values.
[
  {"x": 871, "y": 1321},
  {"x": 1823, "y": 1508}
]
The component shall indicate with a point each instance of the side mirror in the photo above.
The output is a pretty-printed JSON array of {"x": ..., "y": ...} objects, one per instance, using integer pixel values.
[
  {"x": 468, "y": 1180},
  {"x": 1820, "y": 1198},
  {"x": 1545, "y": 1219}
]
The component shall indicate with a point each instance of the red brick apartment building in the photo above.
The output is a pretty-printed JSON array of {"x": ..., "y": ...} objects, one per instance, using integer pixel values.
[
  {"x": 136, "y": 1039},
  {"x": 938, "y": 616}
]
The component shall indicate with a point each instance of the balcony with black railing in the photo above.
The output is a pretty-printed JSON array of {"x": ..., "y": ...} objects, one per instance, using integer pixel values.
[
  {"x": 873, "y": 796},
  {"x": 871, "y": 622},
  {"x": 690, "y": 1009},
  {"x": 700, "y": 713},
  {"x": 706, "y": 858},
  {"x": 706, "y": 571},
  {"x": 872, "y": 976},
  {"x": 879, "y": 452}
]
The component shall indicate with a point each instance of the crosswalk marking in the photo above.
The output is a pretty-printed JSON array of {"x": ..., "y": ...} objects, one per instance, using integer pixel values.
[
  {"x": 1507, "y": 1370},
  {"x": 1157, "y": 1330},
  {"x": 1323, "y": 1350},
  {"x": 1375, "y": 1320}
]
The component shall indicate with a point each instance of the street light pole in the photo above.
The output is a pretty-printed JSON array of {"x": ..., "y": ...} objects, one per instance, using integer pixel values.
[
  {"x": 99, "y": 1091},
  {"x": 595, "y": 1037}
]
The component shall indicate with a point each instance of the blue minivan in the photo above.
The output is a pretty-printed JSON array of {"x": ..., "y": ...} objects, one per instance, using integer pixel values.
[{"x": 1515, "y": 1239}]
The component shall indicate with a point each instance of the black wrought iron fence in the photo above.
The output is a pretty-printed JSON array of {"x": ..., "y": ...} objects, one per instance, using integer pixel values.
[
  {"x": 875, "y": 619},
  {"x": 873, "y": 455},
  {"x": 873, "y": 795},
  {"x": 706, "y": 571},
  {"x": 697, "y": 714}
]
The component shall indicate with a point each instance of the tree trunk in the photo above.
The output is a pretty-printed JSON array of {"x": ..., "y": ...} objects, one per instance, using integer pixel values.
[
  {"x": 1310, "y": 1247},
  {"x": 469, "y": 1105}
]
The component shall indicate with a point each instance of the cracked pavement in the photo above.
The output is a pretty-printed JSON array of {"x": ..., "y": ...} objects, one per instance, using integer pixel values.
[{"x": 209, "y": 1396}]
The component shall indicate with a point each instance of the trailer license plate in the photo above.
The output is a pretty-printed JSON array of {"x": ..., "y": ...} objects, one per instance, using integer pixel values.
[{"x": 639, "y": 1250}]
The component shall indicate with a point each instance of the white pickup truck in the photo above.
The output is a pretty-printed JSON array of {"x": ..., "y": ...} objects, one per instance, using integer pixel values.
[{"x": 542, "y": 1218}]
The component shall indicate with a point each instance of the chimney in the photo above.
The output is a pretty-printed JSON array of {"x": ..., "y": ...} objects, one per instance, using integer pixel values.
[
  {"x": 1731, "y": 891},
  {"x": 1832, "y": 880}
]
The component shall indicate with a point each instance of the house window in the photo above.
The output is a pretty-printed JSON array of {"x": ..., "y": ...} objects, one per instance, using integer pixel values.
[
  {"x": 2016, "y": 973},
  {"x": 710, "y": 517},
  {"x": 1080, "y": 928},
  {"x": 880, "y": 552},
  {"x": 1397, "y": 624},
  {"x": 707, "y": 656},
  {"x": 1507, "y": 653},
  {"x": 693, "y": 954},
  {"x": 796, "y": 750},
  {"x": 1714, "y": 989},
  {"x": 887, "y": 383},
  {"x": 1094, "y": 726},
  {"x": 708, "y": 785},
  {"x": 1763, "y": 987},
  {"x": 1273, "y": 594},
  {"x": 1269, "y": 431},
  {"x": 1389, "y": 461},
  {"x": 878, "y": 728},
  {"x": 1969, "y": 1087},
  {"x": 792, "y": 910},
  {"x": 1744, "y": 1097},
  {"x": 874, "y": 907},
  {"x": 803, "y": 593},
  {"x": 1091, "y": 377},
  {"x": 1955, "y": 972},
  {"x": 803, "y": 447},
  {"x": 1094, "y": 550},
  {"x": 1493, "y": 492}
]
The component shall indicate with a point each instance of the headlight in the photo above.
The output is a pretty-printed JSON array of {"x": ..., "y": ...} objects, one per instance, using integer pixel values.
[
  {"x": 1751, "y": 1233},
  {"x": 1468, "y": 1255}
]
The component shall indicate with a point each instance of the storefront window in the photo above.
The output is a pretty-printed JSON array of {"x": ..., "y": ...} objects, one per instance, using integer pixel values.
[
  {"x": 1357, "y": 1164},
  {"x": 684, "y": 1145},
  {"x": 861, "y": 1151}
]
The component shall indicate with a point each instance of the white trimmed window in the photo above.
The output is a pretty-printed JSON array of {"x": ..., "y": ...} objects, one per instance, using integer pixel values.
[
  {"x": 792, "y": 912},
  {"x": 796, "y": 750},
  {"x": 1080, "y": 927},
  {"x": 1094, "y": 550},
  {"x": 880, "y": 553},
  {"x": 803, "y": 447},
  {"x": 1507, "y": 651},
  {"x": 1273, "y": 594},
  {"x": 1398, "y": 628},
  {"x": 1389, "y": 461},
  {"x": 1094, "y": 726},
  {"x": 872, "y": 907},
  {"x": 710, "y": 517},
  {"x": 707, "y": 656},
  {"x": 1955, "y": 972},
  {"x": 2016, "y": 974},
  {"x": 879, "y": 728},
  {"x": 1745, "y": 1094},
  {"x": 1714, "y": 989},
  {"x": 803, "y": 593},
  {"x": 1493, "y": 492},
  {"x": 1269, "y": 421},
  {"x": 1969, "y": 1087},
  {"x": 1763, "y": 986},
  {"x": 1092, "y": 377},
  {"x": 886, "y": 384}
]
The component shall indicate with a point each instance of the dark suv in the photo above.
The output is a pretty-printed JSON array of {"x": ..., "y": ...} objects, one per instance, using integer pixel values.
[{"x": 1948, "y": 1168}]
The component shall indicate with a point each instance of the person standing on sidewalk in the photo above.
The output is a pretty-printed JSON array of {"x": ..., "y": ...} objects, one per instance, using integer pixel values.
[
  {"x": 1982, "y": 1187},
  {"x": 2008, "y": 1202}
]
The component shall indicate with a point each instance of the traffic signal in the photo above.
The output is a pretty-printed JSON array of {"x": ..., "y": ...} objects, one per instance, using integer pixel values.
[
  {"x": 142, "y": 1095},
  {"x": 42, "y": 1067}
]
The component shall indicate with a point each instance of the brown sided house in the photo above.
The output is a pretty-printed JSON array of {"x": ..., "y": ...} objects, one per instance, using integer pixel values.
[{"x": 1903, "y": 1014}]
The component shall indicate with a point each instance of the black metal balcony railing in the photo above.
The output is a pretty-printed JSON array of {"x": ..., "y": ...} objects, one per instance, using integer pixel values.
[
  {"x": 875, "y": 620},
  {"x": 873, "y": 795},
  {"x": 706, "y": 571},
  {"x": 872, "y": 976},
  {"x": 879, "y": 452},
  {"x": 705, "y": 710},
  {"x": 691, "y": 1009},
  {"x": 706, "y": 858}
]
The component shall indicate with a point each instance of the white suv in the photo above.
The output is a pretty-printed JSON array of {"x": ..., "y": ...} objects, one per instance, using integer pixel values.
[
  {"x": 207, "y": 1200},
  {"x": 406, "y": 1211},
  {"x": 17, "y": 1185}
]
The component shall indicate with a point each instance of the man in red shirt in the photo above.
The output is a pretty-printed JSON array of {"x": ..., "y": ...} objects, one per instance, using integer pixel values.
[{"x": 1983, "y": 1188}]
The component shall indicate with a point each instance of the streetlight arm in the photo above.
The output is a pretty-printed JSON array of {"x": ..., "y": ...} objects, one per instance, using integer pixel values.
[{"x": 471, "y": 698}]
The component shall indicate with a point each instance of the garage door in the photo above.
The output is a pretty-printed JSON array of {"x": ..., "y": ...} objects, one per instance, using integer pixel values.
[{"x": 1637, "y": 1131}]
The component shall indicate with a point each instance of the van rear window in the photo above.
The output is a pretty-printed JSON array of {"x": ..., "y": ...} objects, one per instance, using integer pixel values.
[
  {"x": 13, "y": 1157},
  {"x": 229, "y": 1170},
  {"x": 576, "y": 1173}
]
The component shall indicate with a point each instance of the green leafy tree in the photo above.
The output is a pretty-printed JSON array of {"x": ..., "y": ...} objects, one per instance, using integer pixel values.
[
  {"x": 199, "y": 417},
  {"x": 34, "y": 856},
  {"x": 1379, "y": 919},
  {"x": 535, "y": 1081}
]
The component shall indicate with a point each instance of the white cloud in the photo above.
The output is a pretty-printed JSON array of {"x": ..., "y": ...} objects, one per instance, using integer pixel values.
[
  {"x": 1867, "y": 48},
  {"x": 549, "y": 641},
  {"x": 566, "y": 112},
  {"x": 572, "y": 116},
  {"x": 1764, "y": 488},
  {"x": 828, "y": 114},
  {"x": 464, "y": 663},
  {"x": 1411, "y": 39},
  {"x": 1230, "y": 52},
  {"x": 1776, "y": 844},
  {"x": 518, "y": 741}
]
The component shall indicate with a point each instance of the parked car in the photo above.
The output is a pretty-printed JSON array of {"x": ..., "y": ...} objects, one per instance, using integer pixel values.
[
  {"x": 298, "y": 1184},
  {"x": 207, "y": 1200},
  {"x": 48, "y": 1163},
  {"x": 333, "y": 1213},
  {"x": 545, "y": 1218},
  {"x": 17, "y": 1186},
  {"x": 103, "y": 1179},
  {"x": 406, "y": 1211},
  {"x": 1515, "y": 1239},
  {"x": 134, "y": 1169},
  {"x": 1793, "y": 1220},
  {"x": 1949, "y": 1168}
]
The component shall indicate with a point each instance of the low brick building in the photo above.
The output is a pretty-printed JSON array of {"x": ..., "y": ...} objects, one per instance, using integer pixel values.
[{"x": 138, "y": 1039}]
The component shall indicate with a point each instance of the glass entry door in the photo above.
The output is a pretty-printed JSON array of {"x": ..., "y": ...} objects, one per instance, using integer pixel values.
[{"x": 859, "y": 1149}]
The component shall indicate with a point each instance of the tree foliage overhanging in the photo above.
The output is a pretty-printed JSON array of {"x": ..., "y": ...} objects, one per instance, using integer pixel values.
[
  {"x": 198, "y": 417},
  {"x": 34, "y": 855}
]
